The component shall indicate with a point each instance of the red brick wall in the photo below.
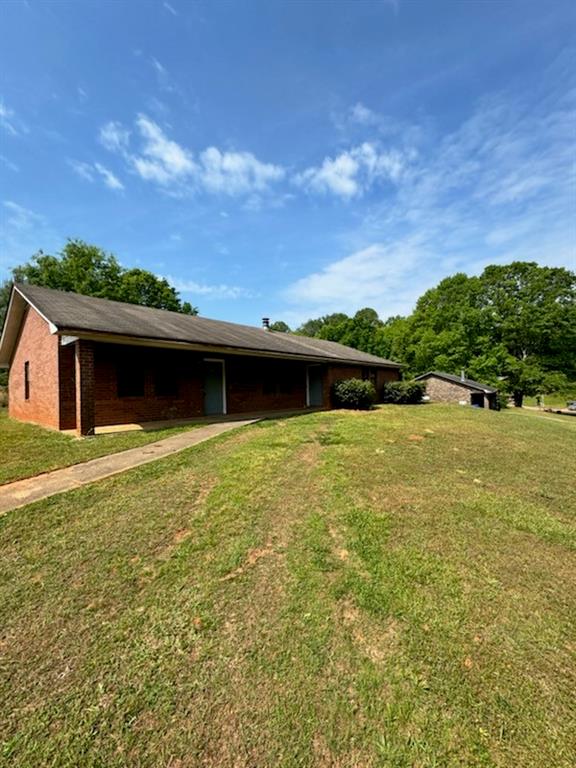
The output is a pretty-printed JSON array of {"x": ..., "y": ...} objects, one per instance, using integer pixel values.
[
  {"x": 67, "y": 387},
  {"x": 246, "y": 384},
  {"x": 40, "y": 348},
  {"x": 85, "y": 381},
  {"x": 111, "y": 409},
  {"x": 384, "y": 375},
  {"x": 337, "y": 373}
]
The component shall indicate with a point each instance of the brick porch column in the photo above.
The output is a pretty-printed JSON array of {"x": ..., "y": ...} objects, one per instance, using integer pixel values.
[{"x": 84, "y": 364}]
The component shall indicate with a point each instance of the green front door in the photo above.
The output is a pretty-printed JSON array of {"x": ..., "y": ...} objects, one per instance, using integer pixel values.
[
  {"x": 315, "y": 386},
  {"x": 214, "y": 388}
]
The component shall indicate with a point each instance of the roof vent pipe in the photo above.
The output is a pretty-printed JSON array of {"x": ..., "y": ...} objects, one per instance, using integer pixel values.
[
  {"x": 462, "y": 375},
  {"x": 266, "y": 323}
]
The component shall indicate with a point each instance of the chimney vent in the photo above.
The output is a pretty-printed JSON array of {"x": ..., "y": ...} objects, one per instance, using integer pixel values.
[
  {"x": 462, "y": 375},
  {"x": 266, "y": 323}
]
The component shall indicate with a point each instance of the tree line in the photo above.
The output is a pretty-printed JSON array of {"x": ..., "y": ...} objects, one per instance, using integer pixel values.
[{"x": 514, "y": 327}]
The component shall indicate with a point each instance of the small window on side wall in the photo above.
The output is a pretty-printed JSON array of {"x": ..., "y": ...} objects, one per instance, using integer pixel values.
[
  {"x": 26, "y": 380},
  {"x": 130, "y": 380}
]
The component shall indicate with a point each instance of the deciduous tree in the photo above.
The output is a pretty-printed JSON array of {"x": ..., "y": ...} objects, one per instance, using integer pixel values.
[{"x": 87, "y": 269}]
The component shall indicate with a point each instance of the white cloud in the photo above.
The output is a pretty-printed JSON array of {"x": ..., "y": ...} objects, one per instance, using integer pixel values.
[
  {"x": 114, "y": 137},
  {"x": 360, "y": 122},
  {"x": 6, "y": 116},
  {"x": 19, "y": 217},
  {"x": 170, "y": 9},
  {"x": 336, "y": 175},
  {"x": 236, "y": 173},
  {"x": 164, "y": 80},
  {"x": 363, "y": 115},
  {"x": 9, "y": 164},
  {"x": 352, "y": 173},
  {"x": 496, "y": 189},
  {"x": 10, "y": 122},
  {"x": 84, "y": 170},
  {"x": 376, "y": 276},
  {"x": 90, "y": 172},
  {"x": 160, "y": 69},
  {"x": 162, "y": 160},
  {"x": 172, "y": 166},
  {"x": 110, "y": 180},
  {"x": 218, "y": 291}
]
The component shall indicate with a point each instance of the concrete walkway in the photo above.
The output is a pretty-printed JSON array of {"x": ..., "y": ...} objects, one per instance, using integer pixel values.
[{"x": 22, "y": 492}]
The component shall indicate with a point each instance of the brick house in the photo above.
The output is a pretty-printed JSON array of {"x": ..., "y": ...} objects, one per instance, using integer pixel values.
[
  {"x": 446, "y": 388},
  {"x": 79, "y": 362}
]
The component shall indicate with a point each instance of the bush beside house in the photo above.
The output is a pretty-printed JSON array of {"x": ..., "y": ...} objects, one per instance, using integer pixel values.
[
  {"x": 403, "y": 392},
  {"x": 357, "y": 394}
]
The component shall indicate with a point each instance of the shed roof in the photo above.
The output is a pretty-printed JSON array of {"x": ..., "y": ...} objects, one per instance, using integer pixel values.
[
  {"x": 469, "y": 383},
  {"x": 75, "y": 314}
]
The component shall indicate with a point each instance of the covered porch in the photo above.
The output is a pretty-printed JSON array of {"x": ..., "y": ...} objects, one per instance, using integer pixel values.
[{"x": 108, "y": 387}]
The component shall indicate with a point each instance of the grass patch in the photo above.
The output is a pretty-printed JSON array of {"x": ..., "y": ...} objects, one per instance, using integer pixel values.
[
  {"x": 326, "y": 590},
  {"x": 28, "y": 450}
]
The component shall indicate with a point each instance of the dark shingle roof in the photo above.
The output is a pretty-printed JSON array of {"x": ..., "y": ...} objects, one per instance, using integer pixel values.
[
  {"x": 470, "y": 383},
  {"x": 73, "y": 312}
]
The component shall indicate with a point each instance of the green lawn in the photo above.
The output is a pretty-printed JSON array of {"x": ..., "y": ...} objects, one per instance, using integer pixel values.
[
  {"x": 394, "y": 588},
  {"x": 27, "y": 450}
]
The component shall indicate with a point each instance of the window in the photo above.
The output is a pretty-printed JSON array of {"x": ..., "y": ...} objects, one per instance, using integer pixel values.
[
  {"x": 26, "y": 380},
  {"x": 166, "y": 384},
  {"x": 130, "y": 379},
  {"x": 369, "y": 374}
]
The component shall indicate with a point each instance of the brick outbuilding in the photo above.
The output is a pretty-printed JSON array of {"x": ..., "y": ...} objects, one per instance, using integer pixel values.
[
  {"x": 447, "y": 388},
  {"x": 79, "y": 362}
]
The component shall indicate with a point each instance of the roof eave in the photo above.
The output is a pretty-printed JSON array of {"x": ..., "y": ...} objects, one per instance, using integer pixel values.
[
  {"x": 110, "y": 338},
  {"x": 11, "y": 327},
  {"x": 466, "y": 384},
  {"x": 13, "y": 320}
]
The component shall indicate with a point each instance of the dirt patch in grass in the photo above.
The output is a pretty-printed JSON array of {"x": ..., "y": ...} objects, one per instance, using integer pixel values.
[
  {"x": 253, "y": 556},
  {"x": 375, "y": 641}
]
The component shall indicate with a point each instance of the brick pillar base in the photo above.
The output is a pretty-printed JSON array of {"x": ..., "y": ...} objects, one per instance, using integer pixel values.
[{"x": 84, "y": 362}]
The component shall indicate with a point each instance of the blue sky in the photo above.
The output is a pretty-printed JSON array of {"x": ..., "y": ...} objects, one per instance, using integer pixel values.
[{"x": 290, "y": 159}]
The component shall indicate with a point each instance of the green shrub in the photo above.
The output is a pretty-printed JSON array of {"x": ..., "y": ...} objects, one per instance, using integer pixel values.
[
  {"x": 354, "y": 393},
  {"x": 403, "y": 392},
  {"x": 3, "y": 397}
]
